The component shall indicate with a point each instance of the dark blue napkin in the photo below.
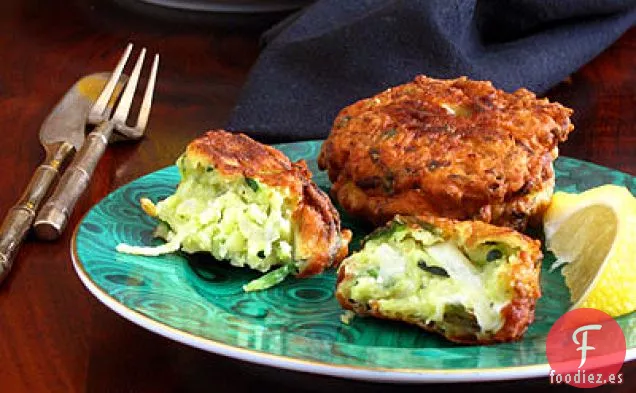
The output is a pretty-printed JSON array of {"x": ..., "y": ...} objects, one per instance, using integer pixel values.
[{"x": 336, "y": 52}]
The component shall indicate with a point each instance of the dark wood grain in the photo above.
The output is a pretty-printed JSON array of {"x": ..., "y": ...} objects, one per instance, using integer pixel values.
[{"x": 54, "y": 336}]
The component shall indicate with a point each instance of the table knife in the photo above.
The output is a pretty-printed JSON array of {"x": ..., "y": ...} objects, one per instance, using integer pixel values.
[{"x": 62, "y": 133}]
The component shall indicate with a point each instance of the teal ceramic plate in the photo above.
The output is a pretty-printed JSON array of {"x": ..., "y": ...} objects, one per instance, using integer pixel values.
[{"x": 296, "y": 325}]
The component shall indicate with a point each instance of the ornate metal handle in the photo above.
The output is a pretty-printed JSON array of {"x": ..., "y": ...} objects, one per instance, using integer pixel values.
[
  {"x": 19, "y": 218},
  {"x": 52, "y": 219}
]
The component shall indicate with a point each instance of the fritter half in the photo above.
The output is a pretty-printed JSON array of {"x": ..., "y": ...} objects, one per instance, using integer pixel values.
[
  {"x": 469, "y": 281},
  {"x": 245, "y": 202},
  {"x": 453, "y": 148}
]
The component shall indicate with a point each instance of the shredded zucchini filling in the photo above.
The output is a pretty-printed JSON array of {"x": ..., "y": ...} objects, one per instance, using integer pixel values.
[
  {"x": 415, "y": 273},
  {"x": 234, "y": 218}
]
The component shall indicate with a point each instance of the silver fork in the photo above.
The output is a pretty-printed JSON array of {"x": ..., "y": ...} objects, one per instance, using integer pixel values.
[{"x": 54, "y": 215}]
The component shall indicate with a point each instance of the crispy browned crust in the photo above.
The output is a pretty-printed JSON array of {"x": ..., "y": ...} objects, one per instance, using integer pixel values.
[
  {"x": 319, "y": 241},
  {"x": 523, "y": 280},
  {"x": 403, "y": 152}
]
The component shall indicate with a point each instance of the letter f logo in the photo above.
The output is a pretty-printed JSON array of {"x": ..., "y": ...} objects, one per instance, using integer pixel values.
[{"x": 584, "y": 347}]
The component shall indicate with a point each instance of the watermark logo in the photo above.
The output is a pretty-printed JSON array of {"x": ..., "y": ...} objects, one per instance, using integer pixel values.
[{"x": 586, "y": 349}]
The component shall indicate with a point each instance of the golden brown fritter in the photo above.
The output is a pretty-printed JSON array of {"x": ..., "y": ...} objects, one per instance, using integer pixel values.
[
  {"x": 454, "y": 148},
  {"x": 406, "y": 272},
  {"x": 319, "y": 241}
]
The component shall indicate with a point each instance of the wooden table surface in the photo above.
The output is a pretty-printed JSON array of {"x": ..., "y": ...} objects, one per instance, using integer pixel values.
[{"x": 54, "y": 336}]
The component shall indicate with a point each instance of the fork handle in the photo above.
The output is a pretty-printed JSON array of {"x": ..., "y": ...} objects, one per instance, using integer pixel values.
[
  {"x": 52, "y": 219},
  {"x": 18, "y": 220}
]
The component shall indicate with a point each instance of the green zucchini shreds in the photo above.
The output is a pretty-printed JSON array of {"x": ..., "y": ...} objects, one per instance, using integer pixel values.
[{"x": 270, "y": 279}]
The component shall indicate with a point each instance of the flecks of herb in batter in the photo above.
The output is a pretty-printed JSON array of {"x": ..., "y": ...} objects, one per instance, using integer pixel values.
[
  {"x": 374, "y": 154},
  {"x": 389, "y": 133},
  {"x": 433, "y": 165},
  {"x": 343, "y": 121},
  {"x": 253, "y": 184},
  {"x": 387, "y": 183},
  {"x": 456, "y": 314},
  {"x": 427, "y": 226},
  {"x": 434, "y": 270},
  {"x": 386, "y": 231},
  {"x": 493, "y": 255}
]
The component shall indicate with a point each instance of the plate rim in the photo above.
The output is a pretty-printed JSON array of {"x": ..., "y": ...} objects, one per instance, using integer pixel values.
[
  {"x": 225, "y": 8},
  {"x": 373, "y": 374}
]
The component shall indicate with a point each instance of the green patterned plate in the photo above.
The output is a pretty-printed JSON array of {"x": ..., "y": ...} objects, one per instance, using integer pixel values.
[{"x": 296, "y": 325}]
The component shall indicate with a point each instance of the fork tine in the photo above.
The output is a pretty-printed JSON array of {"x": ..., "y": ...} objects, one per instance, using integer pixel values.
[
  {"x": 98, "y": 109},
  {"x": 144, "y": 112},
  {"x": 121, "y": 113}
]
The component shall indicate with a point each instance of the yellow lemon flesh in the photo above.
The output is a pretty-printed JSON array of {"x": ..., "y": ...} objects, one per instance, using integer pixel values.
[{"x": 594, "y": 235}]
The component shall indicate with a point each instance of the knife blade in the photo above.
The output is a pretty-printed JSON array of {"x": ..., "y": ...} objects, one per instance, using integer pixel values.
[{"x": 61, "y": 133}]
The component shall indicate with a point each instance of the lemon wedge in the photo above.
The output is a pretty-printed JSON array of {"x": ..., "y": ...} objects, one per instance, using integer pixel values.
[{"x": 594, "y": 235}]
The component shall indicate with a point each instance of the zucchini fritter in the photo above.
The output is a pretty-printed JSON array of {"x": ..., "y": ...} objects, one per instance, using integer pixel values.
[
  {"x": 470, "y": 281},
  {"x": 453, "y": 148},
  {"x": 246, "y": 202}
]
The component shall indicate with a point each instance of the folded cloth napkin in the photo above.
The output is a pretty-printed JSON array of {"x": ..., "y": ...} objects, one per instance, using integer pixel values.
[{"x": 336, "y": 52}]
